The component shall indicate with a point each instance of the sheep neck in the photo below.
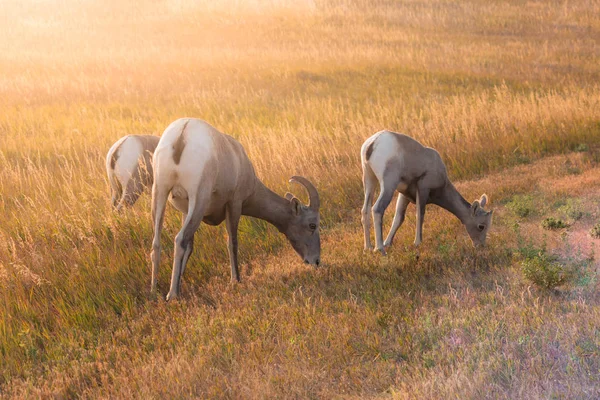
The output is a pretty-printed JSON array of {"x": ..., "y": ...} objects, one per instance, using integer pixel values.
[
  {"x": 269, "y": 206},
  {"x": 450, "y": 199}
]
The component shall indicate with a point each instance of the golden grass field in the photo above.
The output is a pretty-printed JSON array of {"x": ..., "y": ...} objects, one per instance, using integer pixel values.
[{"x": 508, "y": 93}]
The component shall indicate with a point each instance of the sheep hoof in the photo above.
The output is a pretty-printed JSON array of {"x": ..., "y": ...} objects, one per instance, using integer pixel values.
[
  {"x": 154, "y": 295},
  {"x": 171, "y": 296},
  {"x": 381, "y": 250}
]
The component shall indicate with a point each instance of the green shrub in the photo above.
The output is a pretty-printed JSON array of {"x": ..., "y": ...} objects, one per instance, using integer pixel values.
[
  {"x": 582, "y": 147},
  {"x": 545, "y": 271},
  {"x": 521, "y": 205},
  {"x": 552, "y": 223},
  {"x": 572, "y": 209}
]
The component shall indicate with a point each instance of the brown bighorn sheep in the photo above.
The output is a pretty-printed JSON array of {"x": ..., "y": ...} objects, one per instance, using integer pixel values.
[
  {"x": 210, "y": 179},
  {"x": 129, "y": 168},
  {"x": 401, "y": 163}
]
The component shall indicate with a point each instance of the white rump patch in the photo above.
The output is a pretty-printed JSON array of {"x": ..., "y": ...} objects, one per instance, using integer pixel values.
[{"x": 128, "y": 159}]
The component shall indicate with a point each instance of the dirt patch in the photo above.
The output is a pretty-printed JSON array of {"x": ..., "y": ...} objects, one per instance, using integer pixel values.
[{"x": 579, "y": 245}]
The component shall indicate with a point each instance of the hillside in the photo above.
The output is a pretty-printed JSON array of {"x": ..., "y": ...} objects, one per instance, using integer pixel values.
[{"x": 507, "y": 92}]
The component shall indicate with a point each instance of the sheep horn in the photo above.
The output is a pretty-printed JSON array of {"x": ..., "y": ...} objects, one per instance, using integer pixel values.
[{"x": 313, "y": 195}]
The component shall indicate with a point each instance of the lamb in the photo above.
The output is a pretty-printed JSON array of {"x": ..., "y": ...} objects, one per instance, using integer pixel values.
[
  {"x": 398, "y": 162},
  {"x": 129, "y": 168},
  {"x": 207, "y": 176}
]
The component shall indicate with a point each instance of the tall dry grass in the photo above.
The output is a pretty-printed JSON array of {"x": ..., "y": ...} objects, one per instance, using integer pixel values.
[{"x": 301, "y": 85}]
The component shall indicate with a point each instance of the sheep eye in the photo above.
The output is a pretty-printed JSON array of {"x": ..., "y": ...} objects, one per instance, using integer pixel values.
[
  {"x": 481, "y": 227},
  {"x": 312, "y": 226}
]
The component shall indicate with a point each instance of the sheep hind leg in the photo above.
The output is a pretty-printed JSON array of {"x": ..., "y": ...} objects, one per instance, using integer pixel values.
[
  {"x": 133, "y": 191},
  {"x": 116, "y": 191},
  {"x": 184, "y": 244},
  {"x": 159, "y": 203},
  {"x": 188, "y": 251},
  {"x": 383, "y": 201},
  {"x": 369, "y": 180},
  {"x": 401, "y": 205}
]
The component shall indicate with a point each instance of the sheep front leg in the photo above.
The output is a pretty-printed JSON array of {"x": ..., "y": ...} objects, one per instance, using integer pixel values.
[
  {"x": 233, "y": 212},
  {"x": 422, "y": 196}
]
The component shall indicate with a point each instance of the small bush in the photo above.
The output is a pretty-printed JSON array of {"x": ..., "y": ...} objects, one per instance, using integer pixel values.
[
  {"x": 595, "y": 231},
  {"x": 522, "y": 205},
  {"x": 582, "y": 147},
  {"x": 552, "y": 223},
  {"x": 545, "y": 271},
  {"x": 572, "y": 209}
]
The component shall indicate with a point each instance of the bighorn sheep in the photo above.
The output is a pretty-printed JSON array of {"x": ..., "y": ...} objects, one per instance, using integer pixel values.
[
  {"x": 210, "y": 178},
  {"x": 401, "y": 163},
  {"x": 129, "y": 168}
]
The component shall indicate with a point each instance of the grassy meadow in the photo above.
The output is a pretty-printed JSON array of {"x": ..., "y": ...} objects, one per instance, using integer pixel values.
[{"x": 507, "y": 91}]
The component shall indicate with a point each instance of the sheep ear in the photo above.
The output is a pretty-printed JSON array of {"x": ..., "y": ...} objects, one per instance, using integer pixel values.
[
  {"x": 296, "y": 205},
  {"x": 475, "y": 207},
  {"x": 288, "y": 196},
  {"x": 483, "y": 200}
]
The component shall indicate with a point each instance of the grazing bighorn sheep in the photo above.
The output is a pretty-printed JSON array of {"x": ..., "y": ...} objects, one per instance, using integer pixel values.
[
  {"x": 210, "y": 179},
  {"x": 129, "y": 168},
  {"x": 401, "y": 163}
]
